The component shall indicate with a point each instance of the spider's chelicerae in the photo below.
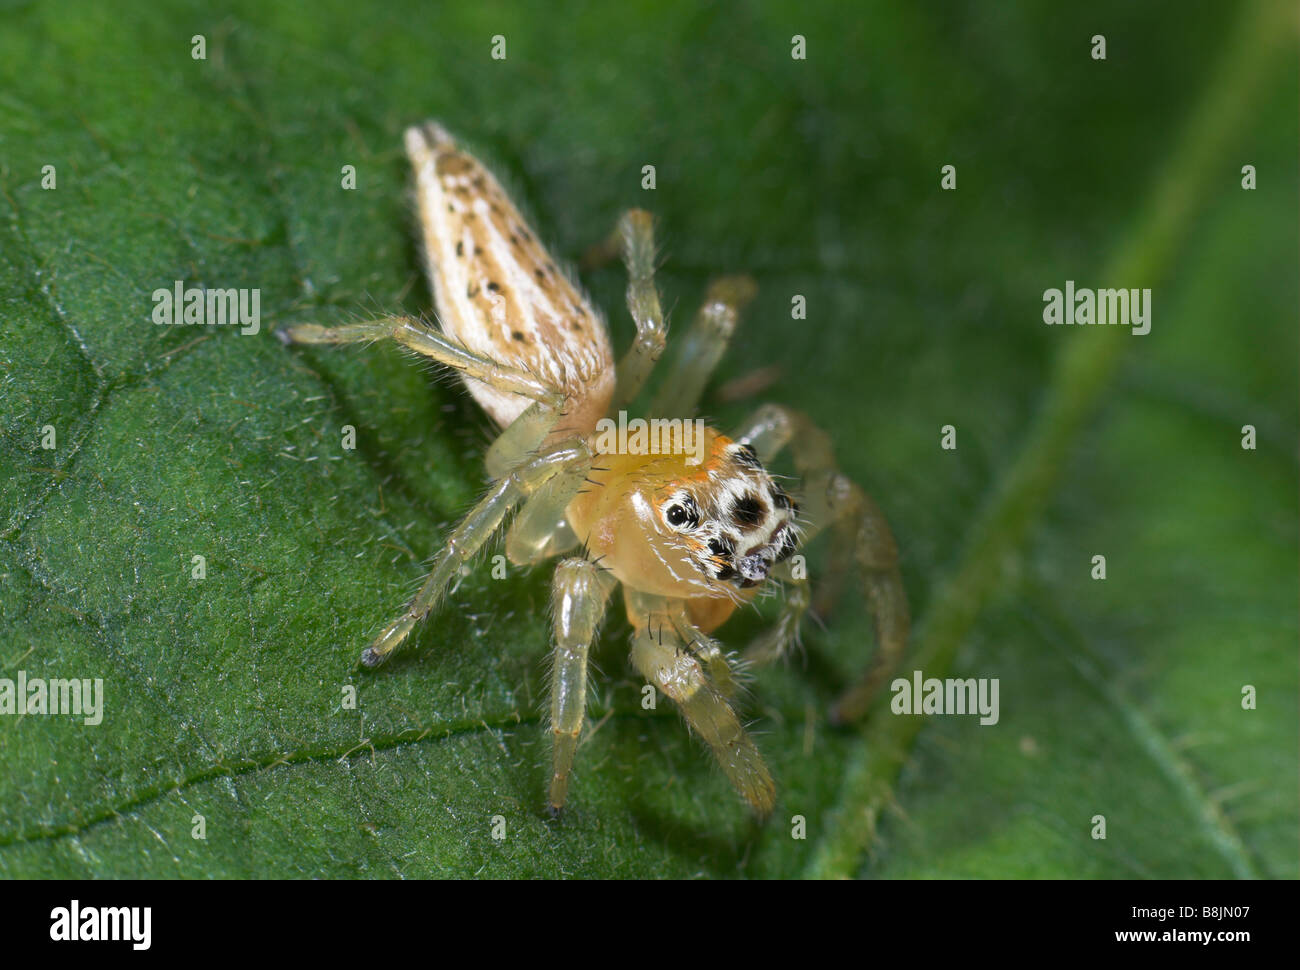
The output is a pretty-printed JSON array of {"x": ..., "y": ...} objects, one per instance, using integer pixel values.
[{"x": 689, "y": 533}]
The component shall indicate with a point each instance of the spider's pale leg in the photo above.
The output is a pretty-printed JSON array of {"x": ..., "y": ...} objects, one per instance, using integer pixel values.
[
  {"x": 474, "y": 530},
  {"x": 709, "y": 650},
  {"x": 521, "y": 438},
  {"x": 636, "y": 229},
  {"x": 767, "y": 431},
  {"x": 696, "y": 355},
  {"x": 862, "y": 538},
  {"x": 663, "y": 660},
  {"x": 718, "y": 665},
  {"x": 580, "y": 590},
  {"x": 876, "y": 555},
  {"x": 414, "y": 335}
]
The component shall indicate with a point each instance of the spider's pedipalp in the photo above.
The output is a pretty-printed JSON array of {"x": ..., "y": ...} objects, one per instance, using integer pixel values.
[{"x": 776, "y": 641}]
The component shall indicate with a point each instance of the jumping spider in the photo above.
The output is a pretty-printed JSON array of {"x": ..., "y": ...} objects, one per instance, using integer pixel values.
[{"x": 688, "y": 542}]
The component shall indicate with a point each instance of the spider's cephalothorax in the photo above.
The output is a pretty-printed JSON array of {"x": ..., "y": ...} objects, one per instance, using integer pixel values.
[
  {"x": 674, "y": 529},
  {"x": 688, "y": 533}
]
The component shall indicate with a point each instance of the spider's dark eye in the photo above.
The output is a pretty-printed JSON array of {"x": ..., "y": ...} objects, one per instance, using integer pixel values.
[{"x": 684, "y": 513}]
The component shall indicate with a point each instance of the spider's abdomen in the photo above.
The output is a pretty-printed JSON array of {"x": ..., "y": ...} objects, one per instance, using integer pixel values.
[{"x": 497, "y": 289}]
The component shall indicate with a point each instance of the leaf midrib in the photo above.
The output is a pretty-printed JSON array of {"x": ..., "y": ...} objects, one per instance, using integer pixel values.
[{"x": 1082, "y": 371}]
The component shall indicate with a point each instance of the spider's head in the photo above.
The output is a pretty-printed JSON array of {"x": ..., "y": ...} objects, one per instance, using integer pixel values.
[
  {"x": 732, "y": 520},
  {"x": 671, "y": 526}
]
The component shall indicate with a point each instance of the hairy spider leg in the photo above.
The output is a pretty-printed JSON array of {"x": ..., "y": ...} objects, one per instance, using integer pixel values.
[
  {"x": 697, "y": 353},
  {"x": 664, "y": 659},
  {"x": 861, "y": 538},
  {"x": 580, "y": 591}
]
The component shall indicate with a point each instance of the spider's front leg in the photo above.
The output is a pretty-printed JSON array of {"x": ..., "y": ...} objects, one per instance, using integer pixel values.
[
  {"x": 579, "y": 594},
  {"x": 664, "y": 659},
  {"x": 861, "y": 538},
  {"x": 567, "y": 458}
]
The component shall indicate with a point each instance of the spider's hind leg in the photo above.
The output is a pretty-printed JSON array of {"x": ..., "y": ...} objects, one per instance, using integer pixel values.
[
  {"x": 703, "y": 344},
  {"x": 635, "y": 237},
  {"x": 428, "y": 342},
  {"x": 548, "y": 479}
]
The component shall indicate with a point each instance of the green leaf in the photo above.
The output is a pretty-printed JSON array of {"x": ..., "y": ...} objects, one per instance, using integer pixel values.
[{"x": 224, "y": 696}]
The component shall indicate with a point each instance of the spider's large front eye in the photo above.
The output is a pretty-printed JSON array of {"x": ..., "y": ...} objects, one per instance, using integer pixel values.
[{"x": 682, "y": 515}]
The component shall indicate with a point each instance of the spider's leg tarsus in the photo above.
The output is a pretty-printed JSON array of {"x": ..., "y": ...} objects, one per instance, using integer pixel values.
[{"x": 383, "y": 645}]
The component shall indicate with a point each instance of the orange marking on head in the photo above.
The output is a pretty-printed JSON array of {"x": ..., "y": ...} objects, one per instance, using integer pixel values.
[{"x": 716, "y": 459}]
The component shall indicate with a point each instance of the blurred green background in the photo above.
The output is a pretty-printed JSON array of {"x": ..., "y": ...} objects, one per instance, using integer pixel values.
[{"x": 820, "y": 177}]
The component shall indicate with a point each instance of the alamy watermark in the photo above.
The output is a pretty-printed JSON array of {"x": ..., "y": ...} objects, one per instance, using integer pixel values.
[
  {"x": 656, "y": 436},
  {"x": 197, "y": 305},
  {"x": 1128, "y": 308},
  {"x": 922, "y": 695},
  {"x": 36, "y": 695},
  {"x": 102, "y": 924}
]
